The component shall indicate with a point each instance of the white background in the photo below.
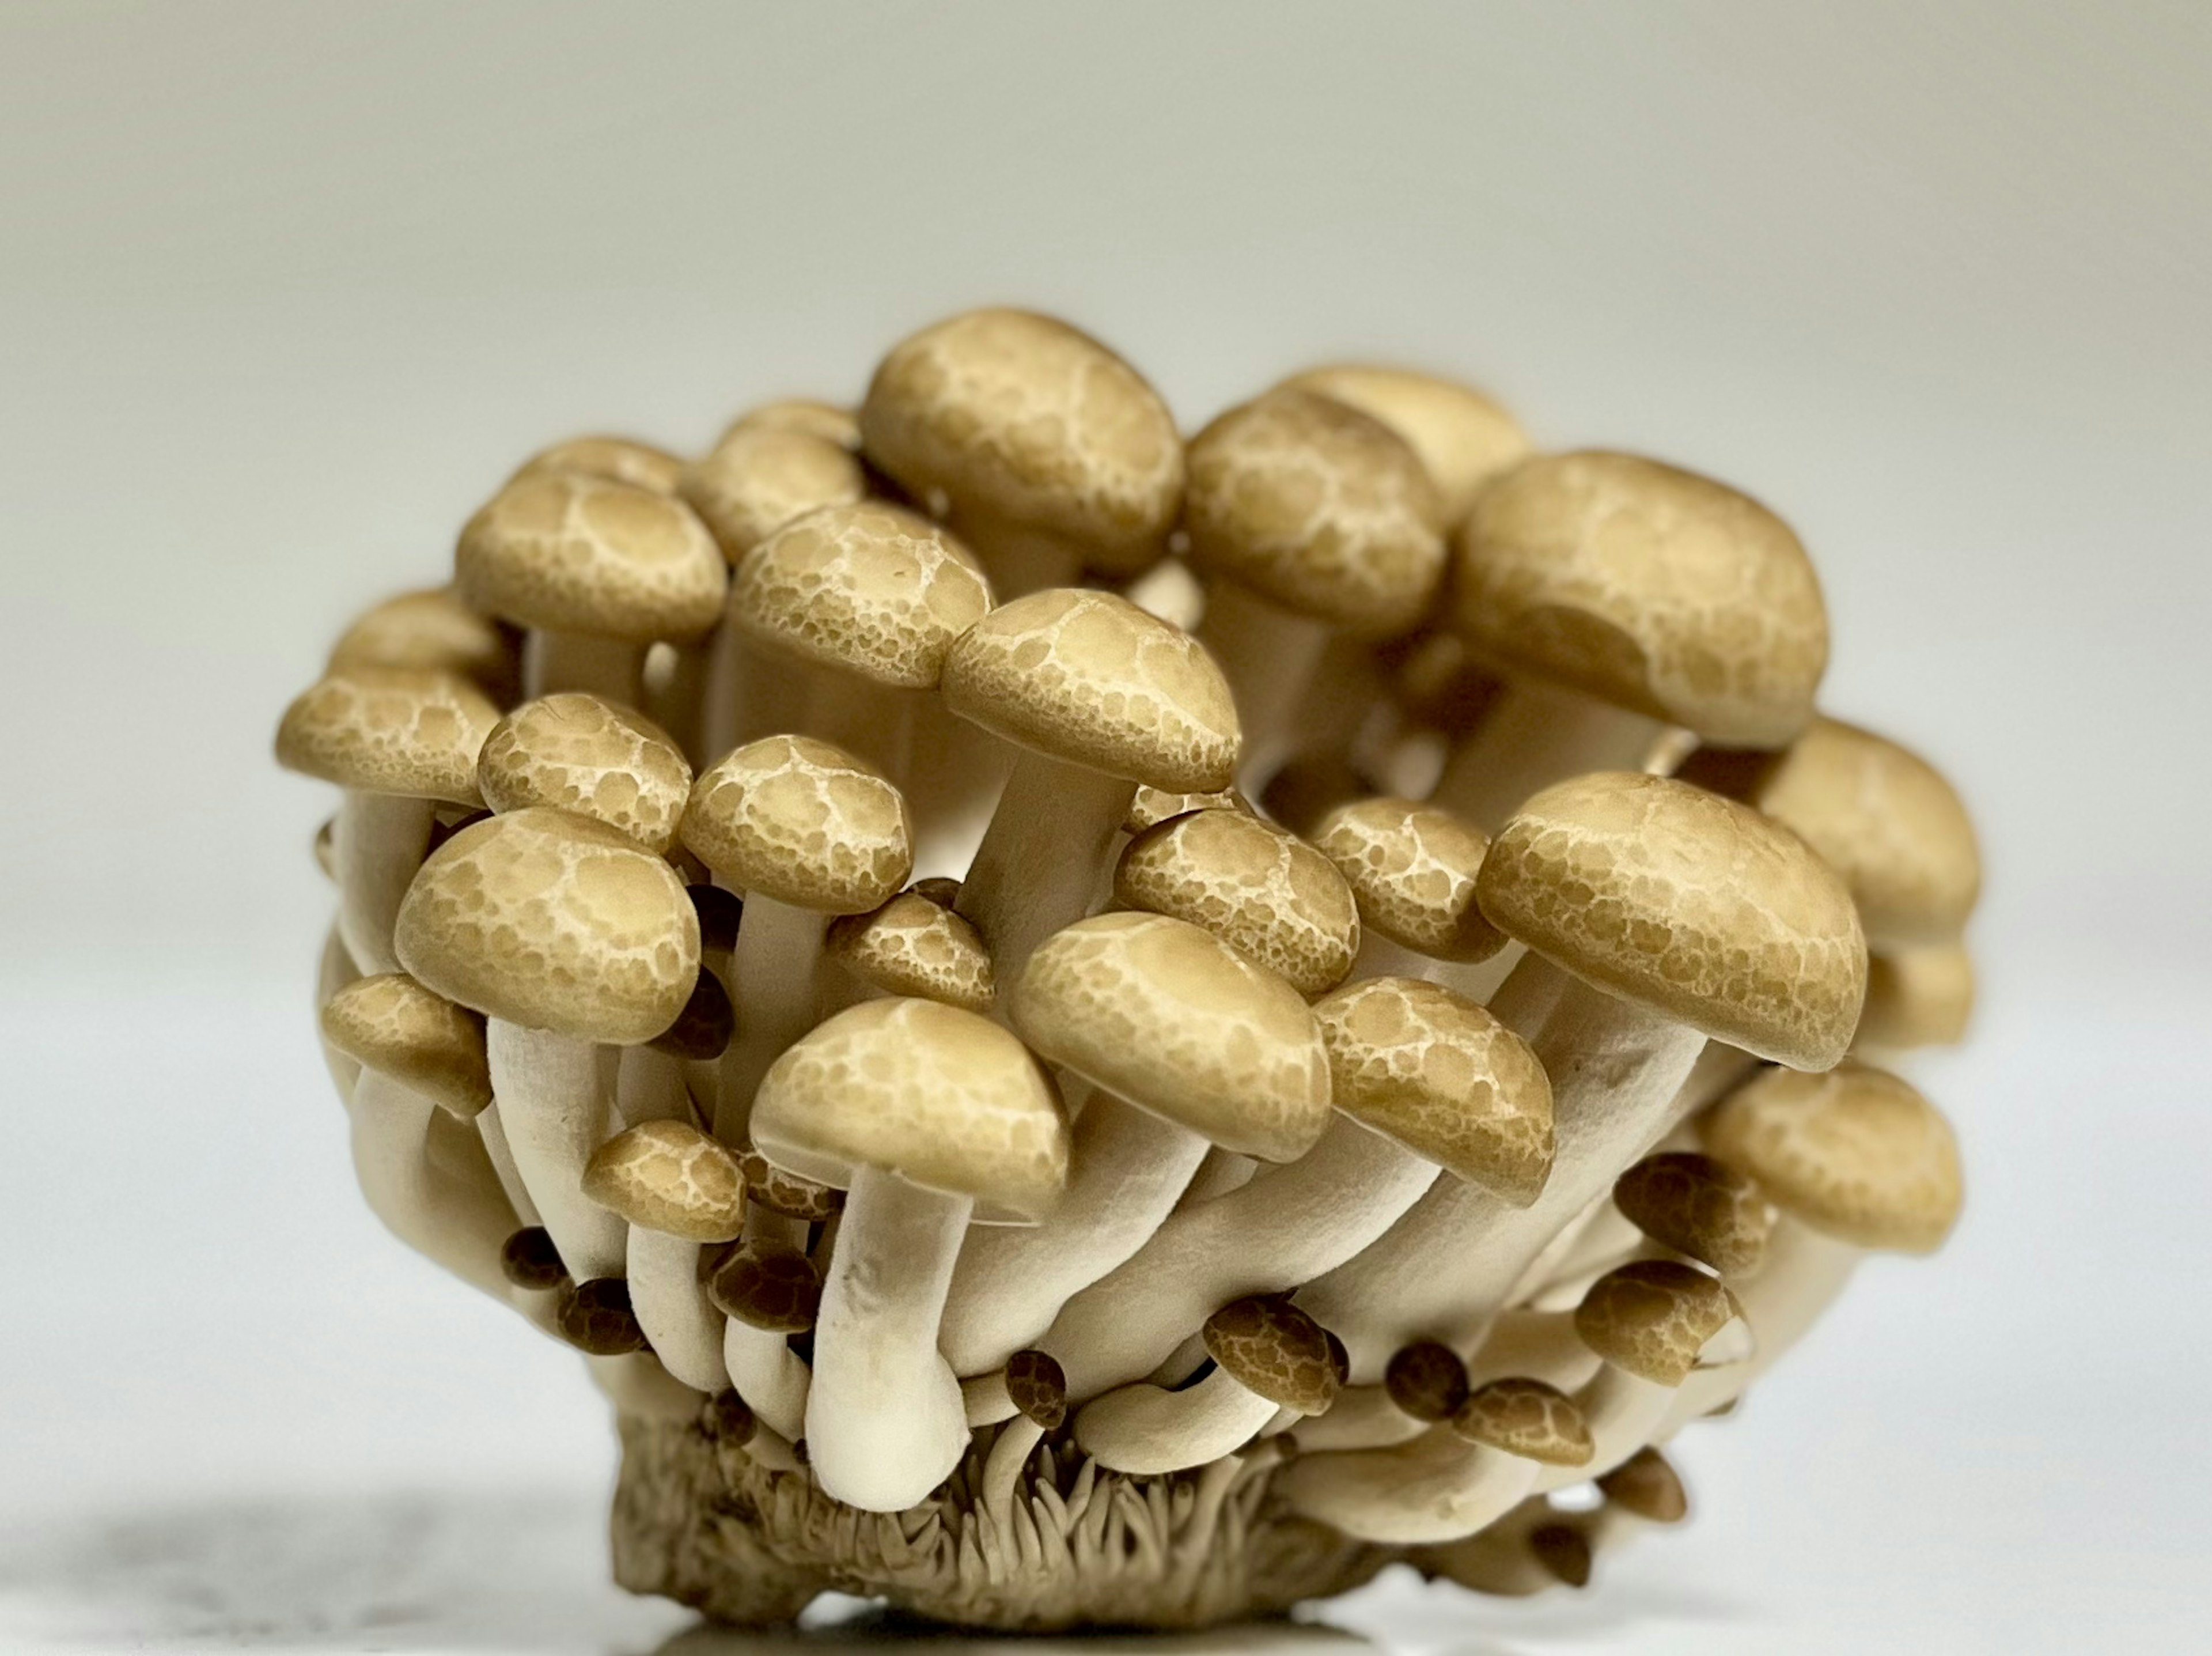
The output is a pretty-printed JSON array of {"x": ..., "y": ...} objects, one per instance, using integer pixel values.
[{"x": 285, "y": 289}]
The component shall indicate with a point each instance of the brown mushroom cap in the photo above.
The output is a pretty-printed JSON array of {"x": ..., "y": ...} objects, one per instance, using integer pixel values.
[
  {"x": 528, "y": 1259},
  {"x": 1857, "y": 1153},
  {"x": 1318, "y": 508},
  {"x": 1652, "y": 1317},
  {"x": 911, "y": 946},
  {"x": 768, "y": 1186},
  {"x": 1527, "y": 1418},
  {"x": 555, "y": 922},
  {"x": 1647, "y": 1486},
  {"x": 1697, "y": 1206},
  {"x": 619, "y": 460},
  {"x": 1038, "y": 1387},
  {"x": 1438, "y": 1074},
  {"x": 1153, "y": 805},
  {"x": 1463, "y": 438},
  {"x": 576, "y": 752},
  {"x": 766, "y": 1285},
  {"x": 1009, "y": 415},
  {"x": 1411, "y": 870},
  {"x": 1268, "y": 1346},
  {"x": 595, "y": 1317},
  {"x": 1255, "y": 887},
  {"x": 1175, "y": 1021},
  {"x": 1426, "y": 1379},
  {"x": 1091, "y": 679},
  {"x": 728, "y": 1418},
  {"x": 761, "y": 476},
  {"x": 392, "y": 1024},
  {"x": 1562, "y": 1549},
  {"x": 667, "y": 1176},
  {"x": 719, "y": 913},
  {"x": 803, "y": 823},
  {"x": 573, "y": 553},
  {"x": 1654, "y": 588},
  {"x": 430, "y": 631},
  {"x": 867, "y": 589},
  {"x": 389, "y": 730},
  {"x": 1688, "y": 904},
  {"x": 703, "y": 1029},
  {"x": 1917, "y": 997},
  {"x": 816, "y": 418}
]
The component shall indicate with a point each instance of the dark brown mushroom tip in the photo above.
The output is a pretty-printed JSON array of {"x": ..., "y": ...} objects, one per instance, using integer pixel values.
[
  {"x": 1426, "y": 1380},
  {"x": 1563, "y": 1551},
  {"x": 766, "y": 1285},
  {"x": 726, "y": 1418},
  {"x": 529, "y": 1260},
  {"x": 1647, "y": 1485},
  {"x": 595, "y": 1317},
  {"x": 719, "y": 913},
  {"x": 1038, "y": 1386}
]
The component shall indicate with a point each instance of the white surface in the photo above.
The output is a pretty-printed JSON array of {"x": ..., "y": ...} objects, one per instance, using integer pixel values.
[{"x": 284, "y": 289}]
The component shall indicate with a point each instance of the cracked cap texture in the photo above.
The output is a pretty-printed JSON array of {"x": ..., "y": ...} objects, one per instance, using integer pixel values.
[
  {"x": 803, "y": 823},
  {"x": 389, "y": 730},
  {"x": 1698, "y": 1206},
  {"x": 1528, "y": 1418},
  {"x": 1653, "y": 1317},
  {"x": 1462, "y": 437},
  {"x": 1412, "y": 868},
  {"x": 667, "y": 1176},
  {"x": 430, "y": 630},
  {"x": 576, "y": 752},
  {"x": 1268, "y": 1345},
  {"x": 1151, "y": 806},
  {"x": 911, "y": 946},
  {"x": 392, "y": 1024},
  {"x": 762, "y": 476}
]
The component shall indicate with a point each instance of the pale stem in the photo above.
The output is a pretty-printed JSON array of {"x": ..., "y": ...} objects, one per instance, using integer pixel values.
[
  {"x": 680, "y": 1323},
  {"x": 775, "y": 963},
  {"x": 678, "y": 701},
  {"x": 1436, "y": 1487},
  {"x": 1145, "y": 1428},
  {"x": 556, "y": 1112},
  {"x": 1362, "y": 1417},
  {"x": 1804, "y": 1273},
  {"x": 612, "y": 669},
  {"x": 1220, "y": 1173},
  {"x": 1038, "y": 865},
  {"x": 649, "y": 1086},
  {"x": 1534, "y": 735},
  {"x": 378, "y": 842},
  {"x": 768, "y": 1375},
  {"x": 494, "y": 1135},
  {"x": 1002, "y": 1467},
  {"x": 637, "y": 1384},
  {"x": 871, "y": 721},
  {"x": 1268, "y": 655},
  {"x": 959, "y": 771},
  {"x": 451, "y": 1212}
]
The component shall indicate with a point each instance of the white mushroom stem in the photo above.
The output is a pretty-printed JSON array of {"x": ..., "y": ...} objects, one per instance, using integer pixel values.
[
  {"x": 1804, "y": 1273},
  {"x": 1436, "y": 1488},
  {"x": 1362, "y": 1417},
  {"x": 781, "y": 1229},
  {"x": 1147, "y": 1428},
  {"x": 985, "y": 1400},
  {"x": 1268, "y": 655},
  {"x": 1040, "y": 859},
  {"x": 494, "y": 1135},
  {"x": 1534, "y": 735},
  {"x": 1221, "y": 1172},
  {"x": 958, "y": 770},
  {"x": 768, "y": 1375},
  {"x": 378, "y": 844},
  {"x": 874, "y": 722},
  {"x": 1170, "y": 591},
  {"x": 649, "y": 1086},
  {"x": 776, "y": 965},
  {"x": 554, "y": 1106},
  {"x": 677, "y": 699},
  {"x": 1536, "y": 1345},
  {"x": 1002, "y": 1467},
  {"x": 1477, "y": 980},
  {"x": 1499, "y": 1560},
  {"x": 637, "y": 1384},
  {"x": 610, "y": 668},
  {"x": 445, "y": 1207},
  {"x": 680, "y": 1323},
  {"x": 884, "y": 1417}
]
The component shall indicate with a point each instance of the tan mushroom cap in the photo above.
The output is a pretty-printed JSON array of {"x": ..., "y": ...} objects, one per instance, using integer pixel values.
[
  {"x": 392, "y": 1024},
  {"x": 1462, "y": 437},
  {"x": 429, "y": 630},
  {"x": 1268, "y": 1346},
  {"x": 766, "y": 1285},
  {"x": 1857, "y": 1153},
  {"x": 1318, "y": 508},
  {"x": 1426, "y": 1380},
  {"x": 1698, "y": 1206},
  {"x": 1007, "y": 416},
  {"x": 768, "y": 1186},
  {"x": 1917, "y": 997},
  {"x": 576, "y": 752},
  {"x": 1257, "y": 887},
  {"x": 1153, "y": 805},
  {"x": 1646, "y": 1485},
  {"x": 555, "y": 922},
  {"x": 1434, "y": 1072},
  {"x": 573, "y": 553},
  {"x": 667, "y": 1176},
  {"x": 1091, "y": 679},
  {"x": 619, "y": 460},
  {"x": 1171, "y": 1018},
  {"x": 1654, "y": 588},
  {"x": 1411, "y": 870},
  {"x": 1528, "y": 1418},
  {"x": 868, "y": 589},
  {"x": 827, "y": 421},
  {"x": 803, "y": 823},
  {"x": 945, "y": 1098},
  {"x": 1037, "y": 1385},
  {"x": 761, "y": 476},
  {"x": 910, "y": 946},
  {"x": 1652, "y": 1317},
  {"x": 389, "y": 730},
  {"x": 1692, "y": 906}
]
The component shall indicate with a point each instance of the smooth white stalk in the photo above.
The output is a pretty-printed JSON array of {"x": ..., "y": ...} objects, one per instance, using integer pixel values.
[
  {"x": 768, "y": 1375},
  {"x": 1039, "y": 862},
  {"x": 379, "y": 841},
  {"x": 494, "y": 1135},
  {"x": 776, "y": 963},
  {"x": 1362, "y": 1417},
  {"x": 1147, "y": 1428},
  {"x": 451, "y": 1212},
  {"x": 1221, "y": 1172},
  {"x": 680, "y": 1323},
  {"x": 1534, "y": 735},
  {"x": 555, "y": 1111},
  {"x": 1268, "y": 655},
  {"x": 1623, "y": 1410},
  {"x": 1002, "y": 1467},
  {"x": 1436, "y": 1487}
]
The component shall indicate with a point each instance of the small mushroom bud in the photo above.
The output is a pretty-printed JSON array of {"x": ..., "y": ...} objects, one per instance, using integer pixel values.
[
  {"x": 1038, "y": 1387},
  {"x": 1647, "y": 1486},
  {"x": 595, "y": 1317},
  {"x": 1427, "y": 1380},
  {"x": 529, "y": 1259},
  {"x": 766, "y": 1285}
]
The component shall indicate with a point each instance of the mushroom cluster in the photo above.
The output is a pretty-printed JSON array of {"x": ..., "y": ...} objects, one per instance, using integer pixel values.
[{"x": 1086, "y": 1026}]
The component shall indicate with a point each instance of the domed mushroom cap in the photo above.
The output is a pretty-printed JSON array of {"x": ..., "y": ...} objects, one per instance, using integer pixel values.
[
  {"x": 573, "y": 553},
  {"x": 389, "y": 730},
  {"x": 1693, "y": 905},
  {"x": 802, "y": 822},
  {"x": 1917, "y": 997},
  {"x": 1006, "y": 415},
  {"x": 667, "y": 1176},
  {"x": 912, "y": 947},
  {"x": 528, "y": 1259},
  {"x": 868, "y": 589},
  {"x": 1257, "y": 887},
  {"x": 576, "y": 752},
  {"x": 1091, "y": 679},
  {"x": 945, "y": 1098},
  {"x": 761, "y": 476},
  {"x": 392, "y": 1024},
  {"x": 1856, "y": 1153},
  {"x": 1426, "y": 1380},
  {"x": 1319, "y": 508},
  {"x": 1411, "y": 870},
  {"x": 619, "y": 460},
  {"x": 1653, "y": 1317},
  {"x": 766, "y": 1285},
  {"x": 1153, "y": 805},
  {"x": 816, "y": 418},
  {"x": 1268, "y": 1345},
  {"x": 1697, "y": 1206},
  {"x": 1037, "y": 1385},
  {"x": 1175, "y": 1021},
  {"x": 555, "y": 922},
  {"x": 597, "y": 1316},
  {"x": 1647, "y": 586},
  {"x": 768, "y": 1186},
  {"x": 1527, "y": 1418},
  {"x": 1438, "y": 1074},
  {"x": 429, "y": 632},
  {"x": 1463, "y": 438},
  {"x": 1646, "y": 1485}
]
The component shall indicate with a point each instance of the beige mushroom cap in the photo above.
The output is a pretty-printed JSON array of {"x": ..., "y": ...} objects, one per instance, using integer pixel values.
[
  {"x": 803, "y": 823},
  {"x": 389, "y": 730},
  {"x": 945, "y": 1098},
  {"x": 1175, "y": 1021},
  {"x": 1917, "y": 997},
  {"x": 392, "y": 1024},
  {"x": 868, "y": 589},
  {"x": 1698, "y": 1206},
  {"x": 577, "y": 753},
  {"x": 1462, "y": 437},
  {"x": 1528, "y": 1418},
  {"x": 618, "y": 459},
  {"x": 910, "y": 946},
  {"x": 1318, "y": 508},
  {"x": 1646, "y": 1485},
  {"x": 1857, "y": 1153},
  {"x": 827, "y": 421},
  {"x": 573, "y": 553},
  {"x": 1436, "y": 1073},
  {"x": 1013, "y": 416},
  {"x": 429, "y": 630},
  {"x": 1652, "y": 1317},
  {"x": 1426, "y": 1380},
  {"x": 555, "y": 922},
  {"x": 1647, "y": 586},
  {"x": 667, "y": 1176},
  {"x": 1257, "y": 887},
  {"x": 1268, "y": 1346},
  {"x": 1153, "y": 805},
  {"x": 1688, "y": 904},
  {"x": 1411, "y": 870},
  {"x": 1091, "y": 679},
  {"x": 762, "y": 475},
  {"x": 1037, "y": 1385}
]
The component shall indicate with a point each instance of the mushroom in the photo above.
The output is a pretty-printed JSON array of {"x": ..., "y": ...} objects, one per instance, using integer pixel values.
[
  {"x": 578, "y": 752},
  {"x": 1699, "y": 1206},
  {"x": 1462, "y": 437},
  {"x": 1426, "y": 1380},
  {"x": 1038, "y": 1391},
  {"x": 1647, "y": 1487},
  {"x": 595, "y": 1317},
  {"x": 397, "y": 740},
  {"x": 922, "y": 1113},
  {"x": 1424, "y": 1383},
  {"x": 913, "y": 946},
  {"x": 1149, "y": 807},
  {"x": 1412, "y": 870},
  {"x": 566, "y": 933},
  {"x": 430, "y": 630},
  {"x": 1915, "y": 997},
  {"x": 828, "y": 421},
  {"x": 769, "y": 1290},
  {"x": 619, "y": 460}
]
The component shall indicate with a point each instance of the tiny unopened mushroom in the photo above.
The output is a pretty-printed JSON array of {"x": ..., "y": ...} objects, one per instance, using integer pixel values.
[
  {"x": 911, "y": 946},
  {"x": 595, "y": 1317},
  {"x": 578, "y": 752},
  {"x": 1412, "y": 870},
  {"x": 1463, "y": 438},
  {"x": 1038, "y": 1391},
  {"x": 769, "y": 1291},
  {"x": 529, "y": 1260},
  {"x": 431, "y": 631},
  {"x": 1426, "y": 1379},
  {"x": 1699, "y": 1207},
  {"x": 620, "y": 459},
  {"x": 676, "y": 1188}
]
